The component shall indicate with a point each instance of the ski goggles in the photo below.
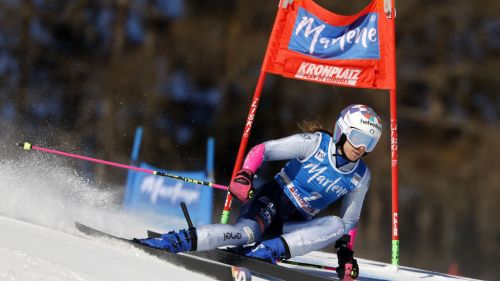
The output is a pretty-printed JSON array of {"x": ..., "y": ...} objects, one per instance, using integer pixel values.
[{"x": 358, "y": 138}]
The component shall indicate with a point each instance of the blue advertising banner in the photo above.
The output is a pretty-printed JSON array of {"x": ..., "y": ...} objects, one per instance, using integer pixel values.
[
  {"x": 358, "y": 40},
  {"x": 163, "y": 195}
]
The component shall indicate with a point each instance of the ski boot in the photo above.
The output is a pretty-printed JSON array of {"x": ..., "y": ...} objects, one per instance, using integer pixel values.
[
  {"x": 348, "y": 266},
  {"x": 174, "y": 242},
  {"x": 271, "y": 250}
]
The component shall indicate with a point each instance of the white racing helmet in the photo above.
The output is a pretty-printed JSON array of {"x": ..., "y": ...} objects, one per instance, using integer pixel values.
[{"x": 360, "y": 125}]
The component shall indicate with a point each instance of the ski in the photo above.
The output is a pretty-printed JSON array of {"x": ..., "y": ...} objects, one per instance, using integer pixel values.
[
  {"x": 306, "y": 264},
  {"x": 254, "y": 265},
  {"x": 211, "y": 268},
  {"x": 234, "y": 258},
  {"x": 219, "y": 264},
  {"x": 347, "y": 277}
]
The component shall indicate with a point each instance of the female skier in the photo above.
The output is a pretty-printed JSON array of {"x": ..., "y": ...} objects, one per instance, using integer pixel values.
[{"x": 280, "y": 216}]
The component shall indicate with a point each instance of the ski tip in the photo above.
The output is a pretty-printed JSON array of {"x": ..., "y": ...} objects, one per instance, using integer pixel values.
[
  {"x": 80, "y": 226},
  {"x": 153, "y": 234}
]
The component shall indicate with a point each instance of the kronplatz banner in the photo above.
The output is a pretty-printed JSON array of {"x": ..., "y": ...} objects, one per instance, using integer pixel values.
[{"x": 311, "y": 43}]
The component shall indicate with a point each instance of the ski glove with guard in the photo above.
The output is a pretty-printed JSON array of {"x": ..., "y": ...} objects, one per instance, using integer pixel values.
[
  {"x": 348, "y": 268},
  {"x": 241, "y": 185}
]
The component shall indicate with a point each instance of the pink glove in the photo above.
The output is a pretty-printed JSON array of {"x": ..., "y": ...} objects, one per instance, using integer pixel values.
[{"x": 241, "y": 185}]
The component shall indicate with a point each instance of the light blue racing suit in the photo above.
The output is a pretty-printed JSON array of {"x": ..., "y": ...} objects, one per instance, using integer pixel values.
[{"x": 312, "y": 180}]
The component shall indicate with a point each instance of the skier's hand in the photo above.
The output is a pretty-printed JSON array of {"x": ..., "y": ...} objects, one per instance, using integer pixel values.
[
  {"x": 241, "y": 185},
  {"x": 350, "y": 271},
  {"x": 355, "y": 269},
  {"x": 348, "y": 268},
  {"x": 343, "y": 241}
]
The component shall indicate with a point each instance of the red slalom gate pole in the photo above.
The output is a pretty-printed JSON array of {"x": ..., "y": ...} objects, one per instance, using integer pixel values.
[
  {"x": 244, "y": 142},
  {"x": 253, "y": 109},
  {"x": 28, "y": 146},
  {"x": 389, "y": 8}
]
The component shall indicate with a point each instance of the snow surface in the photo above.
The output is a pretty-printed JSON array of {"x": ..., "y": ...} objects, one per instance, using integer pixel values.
[
  {"x": 39, "y": 203},
  {"x": 40, "y": 199},
  {"x": 32, "y": 252},
  {"x": 373, "y": 270}
]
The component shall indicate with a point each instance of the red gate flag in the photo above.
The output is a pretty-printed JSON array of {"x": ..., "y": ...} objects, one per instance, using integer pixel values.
[{"x": 311, "y": 43}]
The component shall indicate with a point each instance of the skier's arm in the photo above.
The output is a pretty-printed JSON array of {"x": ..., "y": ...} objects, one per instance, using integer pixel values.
[
  {"x": 296, "y": 146},
  {"x": 352, "y": 203}
]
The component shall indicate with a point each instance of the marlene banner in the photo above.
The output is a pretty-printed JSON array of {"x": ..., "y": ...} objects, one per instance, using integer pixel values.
[
  {"x": 311, "y": 43},
  {"x": 162, "y": 195}
]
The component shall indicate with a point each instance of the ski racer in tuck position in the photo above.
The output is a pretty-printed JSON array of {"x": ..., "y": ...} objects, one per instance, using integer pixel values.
[{"x": 280, "y": 217}]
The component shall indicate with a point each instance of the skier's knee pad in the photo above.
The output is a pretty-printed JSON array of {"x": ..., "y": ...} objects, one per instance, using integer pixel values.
[{"x": 250, "y": 229}]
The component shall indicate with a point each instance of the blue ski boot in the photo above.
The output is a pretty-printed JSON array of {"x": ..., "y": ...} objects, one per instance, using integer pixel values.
[
  {"x": 174, "y": 242},
  {"x": 271, "y": 250}
]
